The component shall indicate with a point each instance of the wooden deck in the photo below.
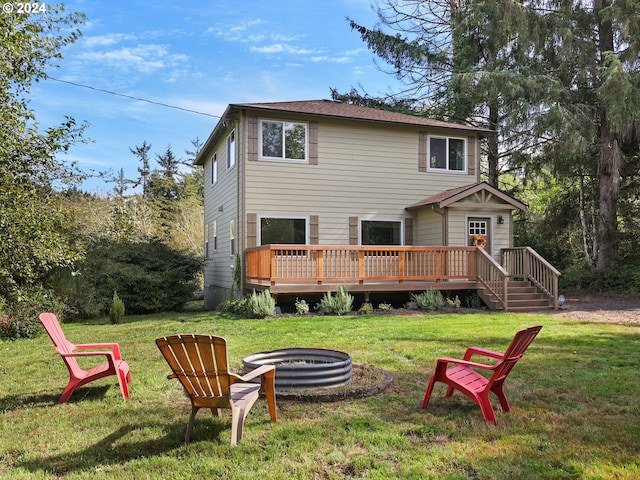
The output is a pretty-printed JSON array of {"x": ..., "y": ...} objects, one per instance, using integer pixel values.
[{"x": 298, "y": 269}]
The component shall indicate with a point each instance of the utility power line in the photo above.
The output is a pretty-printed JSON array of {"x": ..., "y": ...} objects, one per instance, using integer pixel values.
[{"x": 132, "y": 97}]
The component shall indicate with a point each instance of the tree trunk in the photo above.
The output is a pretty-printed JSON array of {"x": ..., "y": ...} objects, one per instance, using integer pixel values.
[
  {"x": 609, "y": 179},
  {"x": 492, "y": 147},
  {"x": 609, "y": 167}
]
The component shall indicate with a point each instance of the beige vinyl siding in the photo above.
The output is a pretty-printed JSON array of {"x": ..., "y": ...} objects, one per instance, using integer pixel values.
[
  {"x": 221, "y": 205},
  {"x": 428, "y": 228},
  {"x": 499, "y": 234},
  {"x": 363, "y": 170}
]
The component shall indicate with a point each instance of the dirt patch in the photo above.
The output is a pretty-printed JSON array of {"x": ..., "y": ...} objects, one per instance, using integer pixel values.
[
  {"x": 601, "y": 308},
  {"x": 366, "y": 381}
]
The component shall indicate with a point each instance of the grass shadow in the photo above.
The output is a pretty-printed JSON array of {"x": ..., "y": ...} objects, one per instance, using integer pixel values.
[
  {"x": 14, "y": 402},
  {"x": 123, "y": 445}
]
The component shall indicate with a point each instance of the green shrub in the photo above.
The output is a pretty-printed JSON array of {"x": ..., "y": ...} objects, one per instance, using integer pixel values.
[
  {"x": 620, "y": 278},
  {"x": 20, "y": 319},
  {"x": 366, "y": 309},
  {"x": 302, "y": 307},
  {"x": 429, "y": 300},
  {"x": 385, "y": 307},
  {"x": 261, "y": 305},
  {"x": 150, "y": 275},
  {"x": 78, "y": 293},
  {"x": 234, "y": 306},
  {"x": 340, "y": 304},
  {"x": 455, "y": 303},
  {"x": 116, "y": 312}
]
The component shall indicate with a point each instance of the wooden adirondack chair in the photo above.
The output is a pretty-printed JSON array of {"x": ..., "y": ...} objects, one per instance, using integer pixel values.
[
  {"x": 69, "y": 352},
  {"x": 200, "y": 364},
  {"x": 462, "y": 376}
]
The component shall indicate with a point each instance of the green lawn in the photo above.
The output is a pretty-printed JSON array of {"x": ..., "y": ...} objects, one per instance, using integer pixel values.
[{"x": 575, "y": 400}]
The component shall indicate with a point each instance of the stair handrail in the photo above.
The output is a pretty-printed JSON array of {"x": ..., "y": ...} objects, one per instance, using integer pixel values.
[
  {"x": 525, "y": 262},
  {"x": 493, "y": 276}
]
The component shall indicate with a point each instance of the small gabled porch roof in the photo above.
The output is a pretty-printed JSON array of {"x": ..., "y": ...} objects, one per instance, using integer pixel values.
[{"x": 480, "y": 194}]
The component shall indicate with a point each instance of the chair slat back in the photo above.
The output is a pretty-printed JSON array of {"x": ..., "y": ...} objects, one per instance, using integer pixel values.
[
  {"x": 199, "y": 362},
  {"x": 52, "y": 326},
  {"x": 515, "y": 351}
]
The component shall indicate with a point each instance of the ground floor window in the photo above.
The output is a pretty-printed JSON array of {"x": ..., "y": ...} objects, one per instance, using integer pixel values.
[
  {"x": 283, "y": 231},
  {"x": 381, "y": 232}
]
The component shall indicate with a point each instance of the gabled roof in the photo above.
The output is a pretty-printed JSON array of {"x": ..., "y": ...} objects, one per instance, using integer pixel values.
[
  {"x": 448, "y": 197},
  {"x": 333, "y": 109}
]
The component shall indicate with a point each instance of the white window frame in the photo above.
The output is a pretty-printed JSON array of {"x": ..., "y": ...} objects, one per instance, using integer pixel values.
[
  {"x": 206, "y": 240},
  {"x": 447, "y": 138},
  {"x": 215, "y": 236},
  {"x": 284, "y": 149},
  {"x": 231, "y": 150},
  {"x": 232, "y": 238},
  {"x": 399, "y": 220},
  {"x": 214, "y": 169},
  {"x": 284, "y": 217}
]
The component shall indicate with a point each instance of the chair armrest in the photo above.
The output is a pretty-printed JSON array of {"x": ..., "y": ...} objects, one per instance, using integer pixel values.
[
  {"x": 88, "y": 354},
  {"x": 114, "y": 347},
  {"x": 482, "y": 351},
  {"x": 258, "y": 372},
  {"x": 111, "y": 358},
  {"x": 446, "y": 360}
]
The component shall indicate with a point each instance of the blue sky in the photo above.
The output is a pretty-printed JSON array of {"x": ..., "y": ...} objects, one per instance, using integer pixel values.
[{"x": 198, "y": 57}]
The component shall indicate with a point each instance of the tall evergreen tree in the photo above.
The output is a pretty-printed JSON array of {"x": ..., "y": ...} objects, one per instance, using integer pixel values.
[
  {"x": 593, "y": 56},
  {"x": 142, "y": 152},
  {"x": 465, "y": 61}
]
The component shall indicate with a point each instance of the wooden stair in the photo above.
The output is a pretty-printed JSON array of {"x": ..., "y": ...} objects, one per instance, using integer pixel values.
[{"x": 523, "y": 297}]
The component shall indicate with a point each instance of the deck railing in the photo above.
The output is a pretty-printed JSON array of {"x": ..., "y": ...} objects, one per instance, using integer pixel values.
[
  {"x": 494, "y": 277},
  {"x": 526, "y": 263},
  {"x": 272, "y": 264}
]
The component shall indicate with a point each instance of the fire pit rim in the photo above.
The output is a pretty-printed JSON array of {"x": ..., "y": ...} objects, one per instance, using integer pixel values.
[{"x": 332, "y": 370}]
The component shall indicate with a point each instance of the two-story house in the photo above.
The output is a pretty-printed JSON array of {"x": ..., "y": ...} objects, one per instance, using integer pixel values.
[{"x": 303, "y": 196}]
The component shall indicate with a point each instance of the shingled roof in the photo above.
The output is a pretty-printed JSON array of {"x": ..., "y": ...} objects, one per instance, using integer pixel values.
[{"x": 330, "y": 108}]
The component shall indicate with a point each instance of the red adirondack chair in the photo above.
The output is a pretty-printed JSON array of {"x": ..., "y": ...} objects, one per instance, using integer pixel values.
[
  {"x": 462, "y": 376},
  {"x": 69, "y": 352}
]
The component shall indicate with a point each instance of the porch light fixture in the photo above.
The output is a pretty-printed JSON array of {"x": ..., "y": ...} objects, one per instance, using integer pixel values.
[{"x": 500, "y": 219}]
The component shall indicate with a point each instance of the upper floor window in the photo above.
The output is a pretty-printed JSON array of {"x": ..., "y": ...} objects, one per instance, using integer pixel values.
[
  {"x": 231, "y": 149},
  {"x": 214, "y": 169},
  {"x": 283, "y": 231},
  {"x": 381, "y": 232},
  {"x": 283, "y": 140},
  {"x": 447, "y": 153}
]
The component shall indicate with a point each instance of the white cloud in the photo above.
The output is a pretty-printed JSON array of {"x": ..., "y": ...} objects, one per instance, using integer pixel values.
[
  {"x": 106, "y": 40},
  {"x": 329, "y": 59},
  {"x": 282, "y": 48},
  {"x": 142, "y": 58}
]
